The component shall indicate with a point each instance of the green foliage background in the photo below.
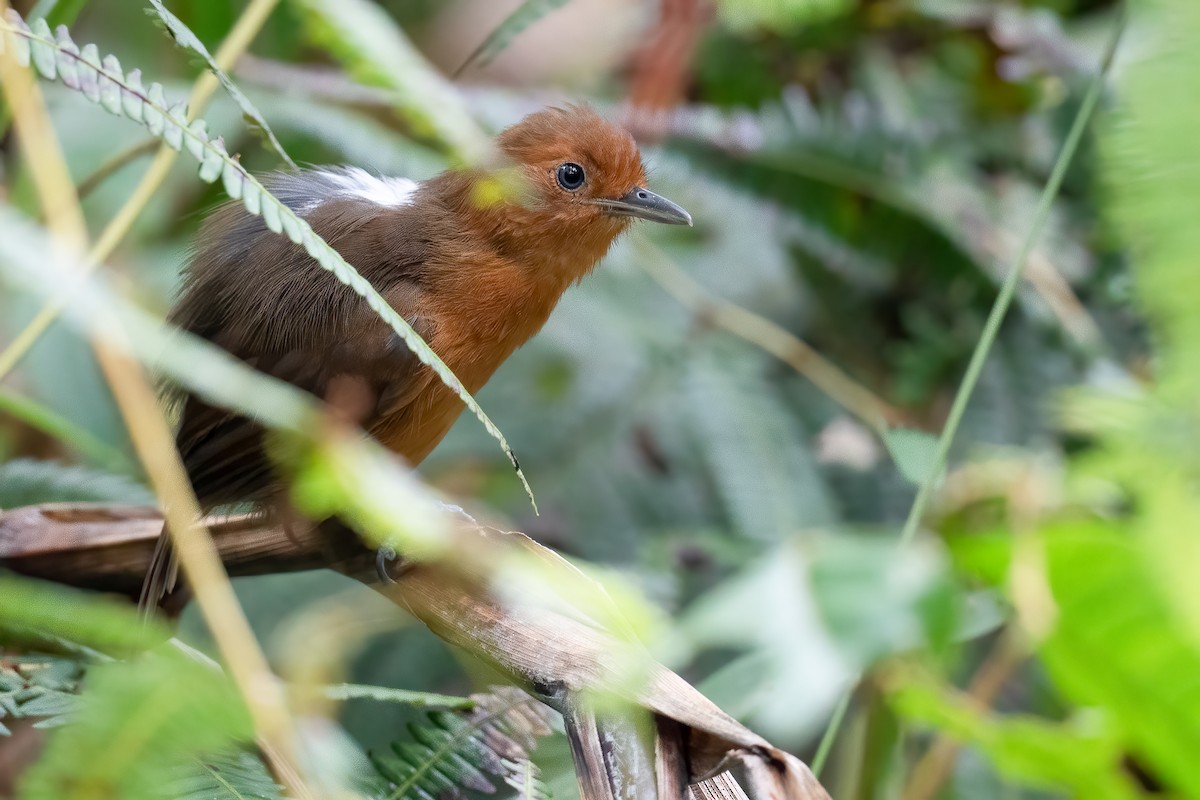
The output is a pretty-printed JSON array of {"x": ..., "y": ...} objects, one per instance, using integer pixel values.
[{"x": 862, "y": 173}]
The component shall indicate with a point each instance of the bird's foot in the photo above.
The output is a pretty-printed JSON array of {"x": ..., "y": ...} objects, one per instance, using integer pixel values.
[{"x": 383, "y": 556}]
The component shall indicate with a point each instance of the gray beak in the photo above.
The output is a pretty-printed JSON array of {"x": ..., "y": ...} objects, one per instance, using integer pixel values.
[{"x": 645, "y": 204}]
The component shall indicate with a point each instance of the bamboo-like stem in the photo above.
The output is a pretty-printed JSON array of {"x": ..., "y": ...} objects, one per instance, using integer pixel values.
[
  {"x": 152, "y": 439},
  {"x": 243, "y": 33},
  {"x": 770, "y": 336}
]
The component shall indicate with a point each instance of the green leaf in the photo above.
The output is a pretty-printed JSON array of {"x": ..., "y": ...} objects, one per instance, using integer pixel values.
[
  {"x": 57, "y": 12},
  {"x": 779, "y": 15},
  {"x": 28, "y": 606},
  {"x": 1116, "y": 644},
  {"x": 375, "y": 51},
  {"x": 452, "y": 752},
  {"x": 525, "y": 15},
  {"x": 826, "y": 608},
  {"x": 26, "y": 482},
  {"x": 40, "y": 688},
  {"x": 226, "y": 776},
  {"x": 136, "y": 726},
  {"x": 915, "y": 454},
  {"x": 184, "y": 37},
  {"x": 64, "y": 430},
  {"x": 1082, "y": 756}
]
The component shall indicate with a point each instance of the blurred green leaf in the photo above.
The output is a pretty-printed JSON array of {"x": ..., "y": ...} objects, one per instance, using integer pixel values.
[
  {"x": 224, "y": 776},
  {"x": 375, "y": 51},
  {"x": 825, "y": 608},
  {"x": 779, "y": 15},
  {"x": 80, "y": 617},
  {"x": 915, "y": 453},
  {"x": 26, "y": 482},
  {"x": 384, "y": 694},
  {"x": 62, "y": 429},
  {"x": 136, "y": 726},
  {"x": 1082, "y": 756},
  {"x": 1117, "y": 645}
]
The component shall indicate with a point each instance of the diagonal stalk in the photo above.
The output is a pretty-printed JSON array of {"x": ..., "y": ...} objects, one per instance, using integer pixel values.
[
  {"x": 999, "y": 309},
  {"x": 239, "y": 38},
  {"x": 152, "y": 440}
]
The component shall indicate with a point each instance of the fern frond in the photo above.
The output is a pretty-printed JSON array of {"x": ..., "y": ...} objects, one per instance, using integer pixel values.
[
  {"x": 185, "y": 38},
  {"x": 42, "y": 687},
  {"x": 227, "y": 776},
  {"x": 102, "y": 81},
  {"x": 469, "y": 750}
]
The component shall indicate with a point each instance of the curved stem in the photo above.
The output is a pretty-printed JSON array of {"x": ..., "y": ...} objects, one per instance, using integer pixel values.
[
  {"x": 1009, "y": 288},
  {"x": 235, "y": 44},
  {"x": 1004, "y": 300},
  {"x": 153, "y": 441}
]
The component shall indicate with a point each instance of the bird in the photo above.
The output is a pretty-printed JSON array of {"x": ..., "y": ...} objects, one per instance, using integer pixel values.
[{"x": 474, "y": 259}]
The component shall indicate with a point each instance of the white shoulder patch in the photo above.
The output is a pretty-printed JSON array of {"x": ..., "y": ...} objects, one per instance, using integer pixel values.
[{"x": 381, "y": 190}]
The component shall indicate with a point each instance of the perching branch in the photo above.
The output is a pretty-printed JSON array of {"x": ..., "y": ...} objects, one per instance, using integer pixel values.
[{"x": 563, "y": 655}]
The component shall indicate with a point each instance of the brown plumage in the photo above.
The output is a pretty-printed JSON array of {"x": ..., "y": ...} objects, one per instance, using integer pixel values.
[{"x": 475, "y": 260}]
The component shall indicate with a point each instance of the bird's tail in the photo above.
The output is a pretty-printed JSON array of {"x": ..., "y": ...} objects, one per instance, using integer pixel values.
[{"x": 161, "y": 576}]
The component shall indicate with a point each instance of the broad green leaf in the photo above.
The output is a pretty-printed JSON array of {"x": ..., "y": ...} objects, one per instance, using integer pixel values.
[
  {"x": 779, "y": 15},
  {"x": 1082, "y": 756},
  {"x": 825, "y": 608},
  {"x": 224, "y": 776}
]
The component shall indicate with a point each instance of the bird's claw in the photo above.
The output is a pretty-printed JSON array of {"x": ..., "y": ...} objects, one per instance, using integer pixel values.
[{"x": 383, "y": 555}]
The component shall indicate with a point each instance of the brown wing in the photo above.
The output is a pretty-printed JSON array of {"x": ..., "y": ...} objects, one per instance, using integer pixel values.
[{"x": 266, "y": 301}]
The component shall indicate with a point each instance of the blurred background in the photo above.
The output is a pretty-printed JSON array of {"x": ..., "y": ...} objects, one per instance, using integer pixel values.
[{"x": 704, "y": 415}]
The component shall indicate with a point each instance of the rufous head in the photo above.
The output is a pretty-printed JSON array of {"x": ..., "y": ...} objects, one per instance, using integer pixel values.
[
  {"x": 580, "y": 184},
  {"x": 581, "y": 167}
]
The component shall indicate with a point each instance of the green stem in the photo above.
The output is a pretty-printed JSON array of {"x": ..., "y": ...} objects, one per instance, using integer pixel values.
[
  {"x": 1004, "y": 299},
  {"x": 78, "y": 439},
  {"x": 835, "y": 722},
  {"x": 990, "y": 330}
]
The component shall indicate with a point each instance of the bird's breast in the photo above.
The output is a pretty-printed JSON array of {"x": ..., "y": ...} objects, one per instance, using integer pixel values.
[{"x": 481, "y": 315}]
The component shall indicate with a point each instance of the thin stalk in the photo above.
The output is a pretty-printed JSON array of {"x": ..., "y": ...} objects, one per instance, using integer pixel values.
[
  {"x": 1003, "y": 301},
  {"x": 64, "y": 430},
  {"x": 112, "y": 165},
  {"x": 835, "y": 722},
  {"x": 771, "y": 337},
  {"x": 243, "y": 33},
  {"x": 152, "y": 439},
  {"x": 1009, "y": 288}
]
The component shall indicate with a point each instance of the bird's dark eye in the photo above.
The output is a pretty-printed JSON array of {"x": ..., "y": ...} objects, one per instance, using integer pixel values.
[{"x": 570, "y": 176}]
